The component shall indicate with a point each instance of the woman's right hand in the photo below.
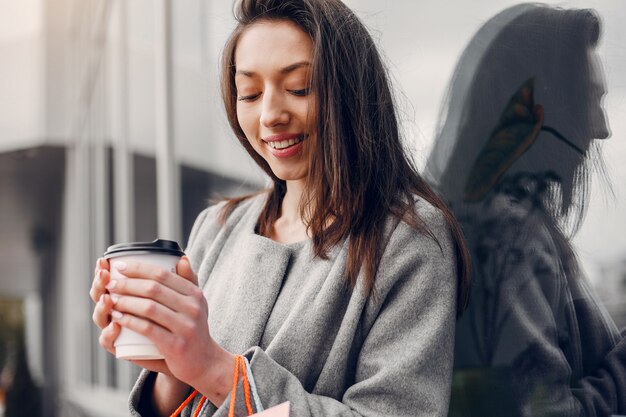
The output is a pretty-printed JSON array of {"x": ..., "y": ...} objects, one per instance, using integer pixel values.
[
  {"x": 98, "y": 293},
  {"x": 104, "y": 306},
  {"x": 102, "y": 316}
]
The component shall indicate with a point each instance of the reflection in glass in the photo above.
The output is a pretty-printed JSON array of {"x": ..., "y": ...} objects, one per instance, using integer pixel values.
[{"x": 514, "y": 158}]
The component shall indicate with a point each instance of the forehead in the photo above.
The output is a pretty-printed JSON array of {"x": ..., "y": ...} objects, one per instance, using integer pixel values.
[{"x": 272, "y": 44}]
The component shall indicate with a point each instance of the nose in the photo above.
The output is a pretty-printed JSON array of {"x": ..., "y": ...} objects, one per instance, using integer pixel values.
[{"x": 274, "y": 110}]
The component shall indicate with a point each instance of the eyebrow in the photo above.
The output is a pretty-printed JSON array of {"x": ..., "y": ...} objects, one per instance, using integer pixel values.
[{"x": 285, "y": 70}]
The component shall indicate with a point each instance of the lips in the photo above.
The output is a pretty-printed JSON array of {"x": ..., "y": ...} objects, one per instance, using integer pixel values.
[{"x": 285, "y": 145}]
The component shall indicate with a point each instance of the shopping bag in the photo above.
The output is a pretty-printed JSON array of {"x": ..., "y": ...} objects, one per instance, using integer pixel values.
[
  {"x": 281, "y": 410},
  {"x": 241, "y": 365}
]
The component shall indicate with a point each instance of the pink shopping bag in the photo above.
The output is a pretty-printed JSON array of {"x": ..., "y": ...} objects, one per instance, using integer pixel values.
[{"x": 281, "y": 410}]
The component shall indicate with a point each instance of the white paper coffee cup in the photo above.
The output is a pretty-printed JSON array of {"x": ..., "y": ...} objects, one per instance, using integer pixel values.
[{"x": 161, "y": 253}]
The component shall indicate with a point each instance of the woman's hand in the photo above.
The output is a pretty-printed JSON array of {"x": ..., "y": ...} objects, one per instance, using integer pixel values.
[
  {"x": 102, "y": 316},
  {"x": 102, "y": 311},
  {"x": 170, "y": 310},
  {"x": 97, "y": 292}
]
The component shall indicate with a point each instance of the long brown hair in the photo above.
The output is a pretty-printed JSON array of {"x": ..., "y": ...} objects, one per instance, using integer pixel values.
[{"x": 359, "y": 172}]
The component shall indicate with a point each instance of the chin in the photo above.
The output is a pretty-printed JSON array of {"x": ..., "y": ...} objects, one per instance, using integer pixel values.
[{"x": 289, "y": 176}]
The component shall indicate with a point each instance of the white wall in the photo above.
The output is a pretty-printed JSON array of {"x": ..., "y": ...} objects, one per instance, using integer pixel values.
[{"x": 21, "y": 66}]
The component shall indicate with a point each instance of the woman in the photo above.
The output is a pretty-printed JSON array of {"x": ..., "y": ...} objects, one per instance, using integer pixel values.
[
  {"x": 513, "y": 160},
  {"x": 340, "y": 283}
]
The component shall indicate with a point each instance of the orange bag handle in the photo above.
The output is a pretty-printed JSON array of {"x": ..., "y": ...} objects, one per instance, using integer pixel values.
[{"x": 240, "y": 365}]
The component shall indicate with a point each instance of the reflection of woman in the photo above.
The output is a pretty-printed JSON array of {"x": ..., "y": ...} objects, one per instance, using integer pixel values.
[
  {"x": 338, "y": 284},
  {"x": 513, "y": 159}
]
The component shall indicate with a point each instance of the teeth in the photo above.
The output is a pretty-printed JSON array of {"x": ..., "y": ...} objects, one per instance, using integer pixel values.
[{"x": 286, "y": 143}]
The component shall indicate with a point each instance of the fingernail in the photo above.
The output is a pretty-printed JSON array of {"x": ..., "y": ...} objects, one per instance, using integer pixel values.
[
  {"x": 120, "y": 266},
  {"x": 185, "y": 258},
  {"x": 101, "y": 298},
  {"x": 111, "y": 284},
  {"x": 116, "y": 315},
  {"x": 115, "y": 298}
]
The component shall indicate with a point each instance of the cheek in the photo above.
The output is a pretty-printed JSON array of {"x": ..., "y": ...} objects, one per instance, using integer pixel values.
[
  {"x": 245, "y": 121},
  {"x": 311, "y": 113},
  {"x": 248, "y": 126}
]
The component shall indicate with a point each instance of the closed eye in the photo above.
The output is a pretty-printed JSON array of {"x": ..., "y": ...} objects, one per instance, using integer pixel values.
[
  {"x": 300, "y": 93},
  {"x": 250, "y": 97}
]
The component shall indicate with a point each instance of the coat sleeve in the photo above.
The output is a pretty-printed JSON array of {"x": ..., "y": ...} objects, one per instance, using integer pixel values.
[
  {"x": 404, "y": 365},
  {"x": 604, "y": 392}
]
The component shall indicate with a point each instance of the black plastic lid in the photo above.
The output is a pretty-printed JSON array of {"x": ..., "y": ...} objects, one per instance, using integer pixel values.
[{"x": 167, "y": 247}]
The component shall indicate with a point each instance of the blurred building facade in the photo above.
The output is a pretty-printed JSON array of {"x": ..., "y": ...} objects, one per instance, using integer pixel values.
[{"x": 110, "y": 132}]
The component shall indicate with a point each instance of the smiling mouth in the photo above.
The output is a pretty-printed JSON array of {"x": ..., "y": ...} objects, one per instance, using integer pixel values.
[{"x": 284, "y": 144}]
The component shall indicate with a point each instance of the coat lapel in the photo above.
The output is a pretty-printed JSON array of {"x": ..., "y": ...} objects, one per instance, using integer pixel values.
[{"x": 246, "y": 275}]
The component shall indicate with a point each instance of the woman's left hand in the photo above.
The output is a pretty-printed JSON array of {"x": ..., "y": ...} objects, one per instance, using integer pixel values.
[{"x": 170, "y": 310}]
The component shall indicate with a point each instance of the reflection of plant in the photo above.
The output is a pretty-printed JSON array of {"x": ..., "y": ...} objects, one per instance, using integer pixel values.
[
  {"x": 11, "y": 321},
  {"x": 23, "y": 397},
  {"x": 483, "y": 392},
  {"x": 515, "y": 132},
  {"x": 3, "y": 350}
]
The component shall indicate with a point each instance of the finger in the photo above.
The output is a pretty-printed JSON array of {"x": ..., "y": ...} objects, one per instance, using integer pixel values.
[
  {"x": 98, "y": 285},
  {"x": 156, "y": 333},
  {"x": 141, "y": 270},
  {"x": 101, "y": 263},
  {"x": 183, "y": 268},
  {"x": 153, "y": 290},
  {"x": 102, "y": 311},
  {"x": 151, "y": 311},
  {"x": 97, "y": 289},
  {"x": 108, "y": 336}
]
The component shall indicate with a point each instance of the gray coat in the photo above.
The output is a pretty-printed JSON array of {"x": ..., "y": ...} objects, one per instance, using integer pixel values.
[{"x": 337, "y": 352}]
